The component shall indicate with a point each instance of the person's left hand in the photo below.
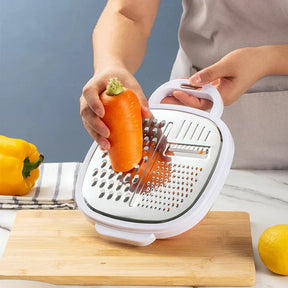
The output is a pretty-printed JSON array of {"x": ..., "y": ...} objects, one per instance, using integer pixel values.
[{"x": 233, "y": 75}]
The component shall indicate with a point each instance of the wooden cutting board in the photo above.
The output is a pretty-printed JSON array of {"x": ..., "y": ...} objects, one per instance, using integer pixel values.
[{"x": 62, "y": 247}]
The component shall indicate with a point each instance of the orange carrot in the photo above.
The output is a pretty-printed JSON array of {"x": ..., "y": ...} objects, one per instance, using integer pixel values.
[{"x": 123, "y": 118}]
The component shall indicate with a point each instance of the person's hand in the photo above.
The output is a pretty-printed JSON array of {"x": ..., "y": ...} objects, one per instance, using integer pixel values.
[
  {"x": 233, "y": 75},
  {"x": 91, "y": 108}
]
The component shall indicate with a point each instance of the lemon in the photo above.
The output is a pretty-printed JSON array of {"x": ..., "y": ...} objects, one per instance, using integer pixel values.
[{"x": 273, "y": 248}]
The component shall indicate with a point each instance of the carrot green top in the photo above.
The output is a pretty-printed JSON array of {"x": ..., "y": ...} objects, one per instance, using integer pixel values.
[{"x": 114, "y": 87}]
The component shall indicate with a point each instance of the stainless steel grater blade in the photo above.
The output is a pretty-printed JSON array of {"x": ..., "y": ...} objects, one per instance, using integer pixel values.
[{"x": 179, "y": 155}]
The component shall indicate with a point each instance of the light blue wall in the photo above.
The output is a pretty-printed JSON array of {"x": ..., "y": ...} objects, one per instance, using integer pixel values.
[{"x": 46, "y": 59}]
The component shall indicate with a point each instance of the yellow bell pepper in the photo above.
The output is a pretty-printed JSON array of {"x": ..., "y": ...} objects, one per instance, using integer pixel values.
[{"x": 19, "y": 162}]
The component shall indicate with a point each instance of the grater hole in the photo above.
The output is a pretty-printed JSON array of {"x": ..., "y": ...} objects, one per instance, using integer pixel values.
[
  {"x": 154, "y": 141},
  {"x": 127, "y": 177},
  {"x": 110, "y": 186},
  {"x": 111, "y": 176},
  {"x": 104, "y": 163},
  {"x": 135, "y": 179},
  {"x": 102, "y": 193},
  {"x": 102, "y": 184},
  {"x": 109, "y": 196},
  {"x": 162, "y": 123},
  {"x": 118, "y": 187},
  {"x": 104, "y": 154},
  {"x": 95, "y": 172},
  {"x": 146, "y": 148},
  {"x": 94, "y": 182},
  {"x": 104, "y": 172},
  {"x": 118, "y": 197},
  {"x": 126, "y": 199},
  {"x": 146, "y": 140},
  {"x": 137, "y": 168}
]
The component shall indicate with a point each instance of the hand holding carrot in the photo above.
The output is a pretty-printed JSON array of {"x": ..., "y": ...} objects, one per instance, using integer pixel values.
[{"x": 92, "y": 109}]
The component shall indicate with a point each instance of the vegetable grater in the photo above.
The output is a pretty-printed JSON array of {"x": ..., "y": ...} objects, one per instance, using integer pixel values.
[{"x": 187, "y": 155}]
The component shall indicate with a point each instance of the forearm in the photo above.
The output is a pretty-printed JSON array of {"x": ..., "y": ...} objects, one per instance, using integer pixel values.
[
  {"x": 120, "y": 36},
  {"x": 276, "y": 57}
]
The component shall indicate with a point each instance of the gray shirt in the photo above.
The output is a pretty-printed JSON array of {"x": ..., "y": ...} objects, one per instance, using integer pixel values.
[{"x": 211, "y": 29}]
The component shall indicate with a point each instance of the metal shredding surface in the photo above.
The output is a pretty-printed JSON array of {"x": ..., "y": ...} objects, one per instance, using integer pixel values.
[{"x": 179, "y": 155}]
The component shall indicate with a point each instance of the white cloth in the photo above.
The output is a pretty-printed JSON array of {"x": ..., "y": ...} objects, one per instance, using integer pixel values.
[
  {"x": 208, "y": 31},
  {"x": 54, "y": 189}
]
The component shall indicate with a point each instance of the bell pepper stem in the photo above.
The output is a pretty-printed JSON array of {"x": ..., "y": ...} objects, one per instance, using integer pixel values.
[{"x": 29, "y": 166}]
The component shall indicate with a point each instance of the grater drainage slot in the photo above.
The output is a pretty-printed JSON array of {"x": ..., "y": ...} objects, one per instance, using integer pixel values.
[{"x": 187, "y": 150}]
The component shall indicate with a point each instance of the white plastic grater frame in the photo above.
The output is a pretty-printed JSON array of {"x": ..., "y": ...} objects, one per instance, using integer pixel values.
[{"x": 142, "y": 234}]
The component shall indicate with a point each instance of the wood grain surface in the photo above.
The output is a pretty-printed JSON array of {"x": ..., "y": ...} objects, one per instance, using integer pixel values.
[{"x": 62, "y": 247}]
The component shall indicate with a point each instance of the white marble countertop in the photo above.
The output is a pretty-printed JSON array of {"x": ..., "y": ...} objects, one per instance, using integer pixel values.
[{"x": 263, "y": 194}]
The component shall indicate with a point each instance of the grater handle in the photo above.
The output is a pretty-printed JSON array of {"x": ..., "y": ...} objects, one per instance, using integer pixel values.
[
  {"x": 207, "y": 92},
  {"x": 133, "y": 238}
]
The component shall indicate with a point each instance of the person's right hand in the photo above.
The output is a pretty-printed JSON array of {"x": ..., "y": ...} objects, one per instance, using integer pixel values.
[{"x": 92, "y": 110}]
